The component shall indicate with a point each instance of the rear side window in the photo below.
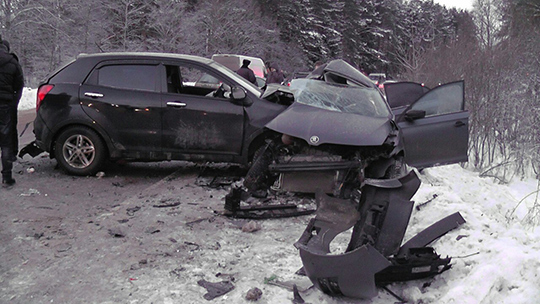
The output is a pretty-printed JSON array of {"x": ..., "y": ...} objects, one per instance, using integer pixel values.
[{"x": 128, "y": 76}]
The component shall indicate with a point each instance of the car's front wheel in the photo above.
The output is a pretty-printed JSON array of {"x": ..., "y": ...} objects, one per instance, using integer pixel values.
[
  {"x": 257, "y": 177},
  {"x": 80, "y": 151}
]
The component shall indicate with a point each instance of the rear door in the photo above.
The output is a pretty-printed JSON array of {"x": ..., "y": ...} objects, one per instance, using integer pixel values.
[
  {"x": 435, "y": 127},
  {"x": 124, "y": 98}
]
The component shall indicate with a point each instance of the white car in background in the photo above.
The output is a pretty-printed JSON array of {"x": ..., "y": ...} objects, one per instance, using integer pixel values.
[{"x": 234, "y": 62}]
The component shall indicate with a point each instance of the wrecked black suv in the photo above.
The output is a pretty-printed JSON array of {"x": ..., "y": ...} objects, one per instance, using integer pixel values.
[
  {"x": 156, "y": 106},
  {"x": 150, "y": 107}
]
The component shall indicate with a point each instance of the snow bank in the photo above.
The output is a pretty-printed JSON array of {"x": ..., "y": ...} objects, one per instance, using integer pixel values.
[
  {"x": 28, "y": 99},
  {"x": 496, "y": 257}
]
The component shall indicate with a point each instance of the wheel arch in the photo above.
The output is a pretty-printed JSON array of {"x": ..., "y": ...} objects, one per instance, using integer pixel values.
[
  {"x": 257, "y": 140},
  {"x": 111, "y": 150}
]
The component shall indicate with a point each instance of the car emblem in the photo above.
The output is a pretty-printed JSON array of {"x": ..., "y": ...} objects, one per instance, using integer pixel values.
[{"x": 314, "y": 139}]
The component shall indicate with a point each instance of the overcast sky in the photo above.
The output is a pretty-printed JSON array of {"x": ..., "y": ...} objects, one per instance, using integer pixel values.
[{"x": 460, "y": 4}]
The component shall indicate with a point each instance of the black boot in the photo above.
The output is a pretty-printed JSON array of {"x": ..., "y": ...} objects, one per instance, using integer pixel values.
[{"x": 7, "y": 179}]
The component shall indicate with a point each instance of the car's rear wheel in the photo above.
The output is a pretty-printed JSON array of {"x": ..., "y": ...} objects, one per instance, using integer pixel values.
[{"x": 80, "y": 151}]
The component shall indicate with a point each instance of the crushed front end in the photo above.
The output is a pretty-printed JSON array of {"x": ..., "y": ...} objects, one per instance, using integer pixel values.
[{"x": 332, "y": 138}]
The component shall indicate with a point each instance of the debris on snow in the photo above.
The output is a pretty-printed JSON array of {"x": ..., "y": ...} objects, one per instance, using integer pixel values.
[
  {"x": 254, "y": 294},
  {"x": 166, "y": 204},
  {"x": 116, "y": 232},
  {"x": 251, "y": 226},
  {"x": 31, "y": 192},
  {"x": 131, "y": 211},
  {"x": 297, "y": 298},
  {"x": 215, "y": 290},
  {"x": 419, "y": 206}
]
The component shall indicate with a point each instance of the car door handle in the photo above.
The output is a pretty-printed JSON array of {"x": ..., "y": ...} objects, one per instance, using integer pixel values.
[
  {"x": 93, "y": 95},
  {"x": 176, "y": 104},
  {"x": 459, "y": 123}
]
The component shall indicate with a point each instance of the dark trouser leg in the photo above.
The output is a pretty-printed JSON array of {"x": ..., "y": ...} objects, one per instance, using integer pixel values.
[
  {"x": 7, "y": 163},
  {"x": 6, "y": 142}
]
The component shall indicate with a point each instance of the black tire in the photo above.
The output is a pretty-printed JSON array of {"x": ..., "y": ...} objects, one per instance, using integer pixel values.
[
  {"x": 257, "y": 176},
  {"x": 80, "y": 151}
]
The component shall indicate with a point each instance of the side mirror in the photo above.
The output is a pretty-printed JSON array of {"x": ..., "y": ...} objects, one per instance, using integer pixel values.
[
  {"x": 238, "y": 93},
  {"x": 238, "y": 96},
  {"x": 412, "y": 115}
]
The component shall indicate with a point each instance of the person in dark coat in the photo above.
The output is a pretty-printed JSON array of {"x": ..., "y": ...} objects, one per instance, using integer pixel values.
[
  {"x": 11, "y": 86},
  {"x": 275, "y": 75},
  {"x": 246, "y": 72}
]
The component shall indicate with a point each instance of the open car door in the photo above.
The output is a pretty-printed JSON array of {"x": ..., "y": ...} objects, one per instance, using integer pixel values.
[
  {"x": 401, "y": 94},
  {"x": 435, "y": 127}
]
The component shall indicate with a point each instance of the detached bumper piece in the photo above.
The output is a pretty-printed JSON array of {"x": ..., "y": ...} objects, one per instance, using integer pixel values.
[
  {"x": 233, "y": 208},
  {"x": 32, "y": 149},
  {"x": 374, "y": 257}
]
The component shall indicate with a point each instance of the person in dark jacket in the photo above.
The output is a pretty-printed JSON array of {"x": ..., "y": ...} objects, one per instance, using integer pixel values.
[
  {"x": 11, "y": 86},
  {"x": 246, "y": 72},
  {"x": 275, "y": 75}
]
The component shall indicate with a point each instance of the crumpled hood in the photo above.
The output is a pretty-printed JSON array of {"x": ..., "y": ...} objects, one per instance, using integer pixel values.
[
  {"x": 318, "y": 126},
  {"x": 343, "y": 69}
]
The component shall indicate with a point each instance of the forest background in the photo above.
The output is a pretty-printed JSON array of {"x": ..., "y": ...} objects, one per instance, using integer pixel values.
[{"x": 495, "y": 48}]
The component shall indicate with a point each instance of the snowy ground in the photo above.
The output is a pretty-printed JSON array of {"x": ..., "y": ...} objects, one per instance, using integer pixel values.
[
  {"x": 496, "y": 253},
  {"x": 503, "y": 260}
]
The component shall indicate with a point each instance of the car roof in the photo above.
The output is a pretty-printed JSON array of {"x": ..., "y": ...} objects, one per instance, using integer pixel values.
[
  {"x": 77, "y": 70},
  {"x": 142, "y": 55},
  {"x": 239, "y": 56}
]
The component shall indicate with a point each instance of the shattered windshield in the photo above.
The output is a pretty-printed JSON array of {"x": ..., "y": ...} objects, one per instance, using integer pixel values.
[{"x": 340, "y": 98}]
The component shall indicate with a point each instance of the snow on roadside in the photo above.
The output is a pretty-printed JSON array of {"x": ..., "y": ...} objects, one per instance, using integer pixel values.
[
  {"x": 496, "y": 256},
  {"x": 28, "y": 99}
]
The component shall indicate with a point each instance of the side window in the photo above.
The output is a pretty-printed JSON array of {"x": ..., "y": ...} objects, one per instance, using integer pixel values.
[
  {"x": 442, "y": 100},
  {"x": 128, "y": 76},
  {"x": 192, "y": 80}
]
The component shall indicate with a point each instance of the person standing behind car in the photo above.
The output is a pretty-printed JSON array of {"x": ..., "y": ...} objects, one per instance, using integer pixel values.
[
  {"x": 11, "y": 86},
  {"x": 15, "y": 113},
  {"x": 246, "y": 72},
  {"x": 275, "y": 75}
]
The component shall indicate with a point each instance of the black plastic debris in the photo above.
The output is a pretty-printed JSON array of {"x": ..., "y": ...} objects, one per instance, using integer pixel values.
[
  {"x": 219, "y": 177},
  {"x": 116, "y": 232},
  {"x": 297, "y": 297},
  {"x": 215, "y": 290},
  {"x": 264, "y": 211},
  {"x": 32, "y": 149},
  {"x": 131, "y": 211}
]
